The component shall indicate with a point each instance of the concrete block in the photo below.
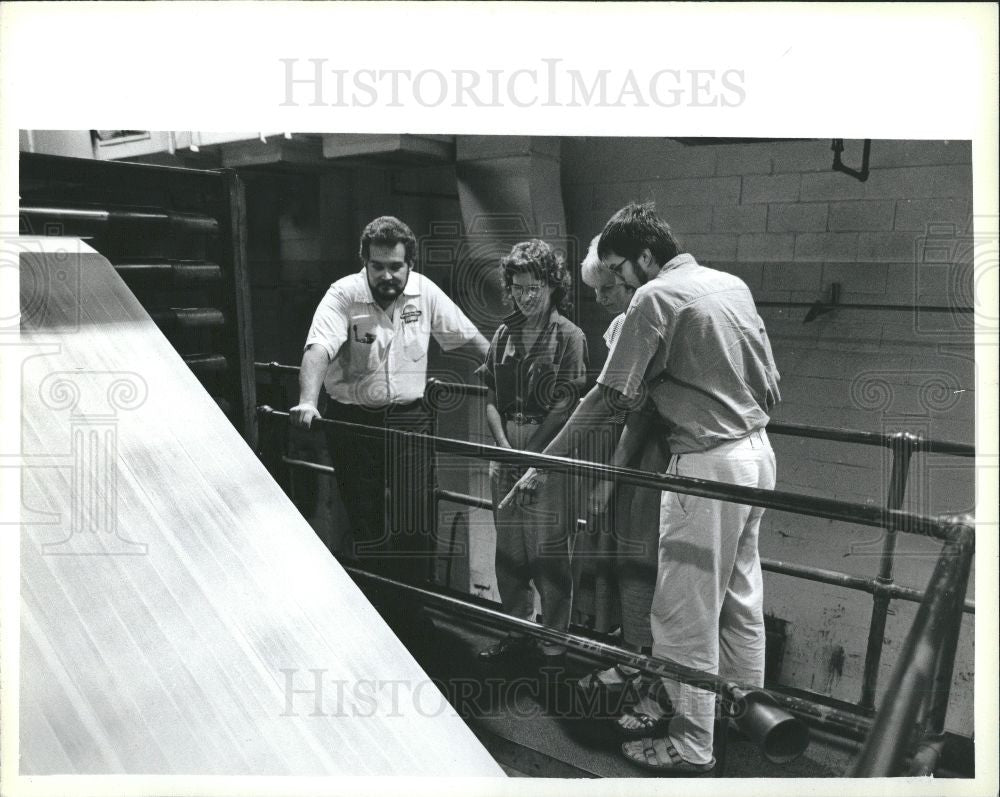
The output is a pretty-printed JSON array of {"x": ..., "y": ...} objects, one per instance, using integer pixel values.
[
  {"x": 578, "y": 152},
  {"x": 770, "y": 188},
  {"x": 821, "y": 392},
  {"x": 830, "y": 185},
  {"x": 891, "y": 247},
  {"x": 680, "y": 160},
  {"x": 963, "y": 370},
  {"x": 797, "y": 217},
  {"x": 601, "y": 159},
  {"x": 830, "y": 246},
  {"x": 711, "y": 248},
  {"x": 801, "y": 156},
  {"x": 684, "y": 219},
  {"x": 751, "y": 273},
  {"x": 739, "y": 218},
  {"x": 859, "y": 281},
  {"x": 479, "y": 147},
  {"x": 610, "y": 197},
  {"x": 743, "y": 159},
  {"x": 765, "y": 247},
  {"x": 862, "y": 215},
  {"x": 887, "y": 152},
  {"x": 793, "y": 276},
  {"x": 850, "y": 364},
  {"x": 578, "y": 200},
  {"x": 916, "y": 182},
  {"x": 901, "y": 283},
  {"x": 839, "y": 331},
  {"x": 588, "y": 225},
  {"x": 919, "y": 214},
  {"x": 708, "y": 191}
]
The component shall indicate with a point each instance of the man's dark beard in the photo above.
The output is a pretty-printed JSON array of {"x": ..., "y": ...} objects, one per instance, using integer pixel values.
[{"x": 388, "y": 290}]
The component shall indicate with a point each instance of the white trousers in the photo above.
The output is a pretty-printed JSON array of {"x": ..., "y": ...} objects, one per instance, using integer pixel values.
[{"x": 707, "y": 610}]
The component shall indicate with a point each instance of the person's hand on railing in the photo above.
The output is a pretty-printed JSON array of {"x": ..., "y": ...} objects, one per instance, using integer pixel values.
[
  {"x": 524, "y": 493},
  {"x": 302, "y": 415},
  {"x": 600, "y": 497}
]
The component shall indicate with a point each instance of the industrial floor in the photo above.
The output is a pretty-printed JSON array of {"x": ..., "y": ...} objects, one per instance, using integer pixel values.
[{"x": 532, "y": 737}]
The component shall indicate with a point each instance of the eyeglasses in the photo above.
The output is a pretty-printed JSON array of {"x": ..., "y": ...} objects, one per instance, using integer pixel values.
[
  {"x": 616, "y": 269},
  {"x": 526, "y": 290}
]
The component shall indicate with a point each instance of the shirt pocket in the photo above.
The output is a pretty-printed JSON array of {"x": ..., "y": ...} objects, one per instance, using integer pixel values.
[
  {"x": 364, "y": 343},
  {"x": 544, "y": 384}
]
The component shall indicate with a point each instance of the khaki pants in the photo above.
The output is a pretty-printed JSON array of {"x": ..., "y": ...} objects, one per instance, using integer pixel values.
[{"x": 707, "y": 609}]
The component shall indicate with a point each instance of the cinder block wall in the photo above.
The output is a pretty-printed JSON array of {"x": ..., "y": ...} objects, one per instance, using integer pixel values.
[{"x": 776, "y": 214}]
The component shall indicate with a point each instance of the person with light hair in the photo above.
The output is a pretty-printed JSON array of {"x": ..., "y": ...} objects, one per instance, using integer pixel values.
[
  {"x": 694, "y": 345},
  {"x": 620, "y": 546}
]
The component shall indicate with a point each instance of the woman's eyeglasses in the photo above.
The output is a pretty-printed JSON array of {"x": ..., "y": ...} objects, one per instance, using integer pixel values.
[{"x": 526, "y": 290}]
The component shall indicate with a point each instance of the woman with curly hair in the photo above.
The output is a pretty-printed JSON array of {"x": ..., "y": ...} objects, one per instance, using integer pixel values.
[{"x": 535, "y": 370}]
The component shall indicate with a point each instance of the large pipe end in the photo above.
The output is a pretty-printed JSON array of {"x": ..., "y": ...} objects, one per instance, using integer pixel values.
[{"x": 780, "y": 736}]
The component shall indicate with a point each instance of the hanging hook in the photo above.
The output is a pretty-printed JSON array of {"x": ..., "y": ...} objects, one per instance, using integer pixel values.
[
  {"x": 838, "y": 164},
  {"x": 820, "y": 307}
]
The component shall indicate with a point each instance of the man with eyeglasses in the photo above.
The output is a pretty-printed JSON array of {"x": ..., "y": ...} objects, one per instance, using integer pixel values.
[{"x": 693, "y": 343}]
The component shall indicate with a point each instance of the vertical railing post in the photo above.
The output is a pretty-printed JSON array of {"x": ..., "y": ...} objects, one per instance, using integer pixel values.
[
  {"x": 936, "y": 709},
  {"x": 278, "y": 382},
  {"x": 272, "y": 443},
  {"x": 901, "y": 445},
  {"x": 431, "y": 400},
  {"x": 919, "y": 666}
]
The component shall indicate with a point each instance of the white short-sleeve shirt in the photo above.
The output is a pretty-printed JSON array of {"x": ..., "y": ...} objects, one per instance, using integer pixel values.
[{"x": 379, "y": 357}]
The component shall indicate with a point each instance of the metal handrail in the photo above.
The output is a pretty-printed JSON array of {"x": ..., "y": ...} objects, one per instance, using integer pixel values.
[
  {"x": 922, "y": 675},
  {"x": 924, "y": 667},
  {"x": 820, "y": 575},
  {"x": 916, "y": 442},
  {"x": 831, "y": 719},
  {"x": 902, "y": 446},
  {"x": 753, "y": 496}
]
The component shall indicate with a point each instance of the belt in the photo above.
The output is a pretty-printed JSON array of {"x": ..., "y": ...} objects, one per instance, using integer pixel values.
[{"x": 520, "y": 417}]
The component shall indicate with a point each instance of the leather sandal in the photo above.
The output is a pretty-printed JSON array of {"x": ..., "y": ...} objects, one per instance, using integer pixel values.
[
  {"x": 508, "y": 649},
  {"x": 648, "y": 754},
  {"x": 592, "y": 681},
  {"x": 648, "y": 725}
]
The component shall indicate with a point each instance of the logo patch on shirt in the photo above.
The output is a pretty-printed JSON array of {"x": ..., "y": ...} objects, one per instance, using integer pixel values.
[{"x": 410, "y": 314}]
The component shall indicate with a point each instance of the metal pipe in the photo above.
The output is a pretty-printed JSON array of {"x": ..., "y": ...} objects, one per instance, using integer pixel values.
[
  {"x": 948, "y": 648},
  {"x": 915, "y": 669},
  {"x": 925, "y": 760},
  {"x": 797, "y": 430},
  {"x": 835, "y": 578},
  {"x": 107, "y": 215},
  {"x": 910, "y": 308},
  {"x": 305, "y": 465},
  {"x": 276, "y": 368},
  {"x": 462, "y": 498},
  {"x": 206, "y": 363},
  {"x": 902, "y": 447},
  {"x": 600, "y": 652},
  {"x": 180, "y": 272},
  {"x": 188, "y": 318},
  {"x": 752, "y": 496}
]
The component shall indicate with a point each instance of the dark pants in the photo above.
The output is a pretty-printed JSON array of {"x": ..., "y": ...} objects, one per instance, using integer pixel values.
[{"x": 387, "y": 484}]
